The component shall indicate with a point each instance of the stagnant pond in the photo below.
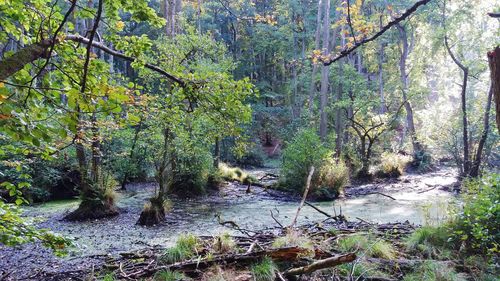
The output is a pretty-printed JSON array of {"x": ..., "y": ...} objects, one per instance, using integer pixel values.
[{"x": 415, "y": 198}]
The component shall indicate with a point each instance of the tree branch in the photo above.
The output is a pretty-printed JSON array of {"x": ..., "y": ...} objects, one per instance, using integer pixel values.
[
  {"x": 30, "y": 53},
  {"x": 405, "y": 15}
]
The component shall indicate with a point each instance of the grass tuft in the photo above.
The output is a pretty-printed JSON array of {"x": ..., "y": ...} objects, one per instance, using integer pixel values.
[
  {"x": 265, "y": 270},
  {"x": 185, "y": 248},
  {"x": 167, "y": 275},
  {"x": 224, "y": 244},
  {"x": 293, "y": 238},
  {"x": 433, "y": 271}
]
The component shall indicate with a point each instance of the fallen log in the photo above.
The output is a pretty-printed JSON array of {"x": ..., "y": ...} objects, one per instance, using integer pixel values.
[
  {"x": 195, "y": 265},
  {"x": 321, "y": 264}
]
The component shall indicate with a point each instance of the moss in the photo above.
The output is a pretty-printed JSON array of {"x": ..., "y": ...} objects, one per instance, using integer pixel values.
[
  {"x": 265, "y": 270},
  {"x": 154, "y": 211}
]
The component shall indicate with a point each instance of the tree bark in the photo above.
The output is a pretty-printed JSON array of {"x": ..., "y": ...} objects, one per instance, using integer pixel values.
[
  {"x": 463, "y": 94},
  {"x": 312, "y": 87},
  {"x": 324, "y": 74},
  {"x": 410, "y": 125},
  {"x": 476, "y": 164},
  {"x": 494, "y": 62}
]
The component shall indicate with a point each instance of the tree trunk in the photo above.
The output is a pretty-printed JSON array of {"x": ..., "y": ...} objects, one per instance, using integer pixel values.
[
  {"x": 383, "y": 107},
  {"x": 476, "y": 164},
  {"x": 217, "y": 153},
  {"x": 463, "y": 94},
  {"x": 494, "y": 62},
  {"x": 324, "y": 74},
  {"x": 410, "y": 125},
  {"x": 312, "y": 87}
]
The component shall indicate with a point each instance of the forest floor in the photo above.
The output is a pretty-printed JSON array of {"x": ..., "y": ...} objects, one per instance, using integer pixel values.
[{"x": 413, "y": 198}]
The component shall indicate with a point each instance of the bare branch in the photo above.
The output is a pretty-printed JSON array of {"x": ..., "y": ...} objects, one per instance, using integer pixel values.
[{"x": 395, "y": 21}]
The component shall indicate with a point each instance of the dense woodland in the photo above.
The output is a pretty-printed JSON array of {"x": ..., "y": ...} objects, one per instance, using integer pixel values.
[{"x": 99, "y": 95}]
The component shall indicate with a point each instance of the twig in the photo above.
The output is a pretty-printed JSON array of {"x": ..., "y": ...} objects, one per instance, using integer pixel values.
[{"x": 276, "y": 220}]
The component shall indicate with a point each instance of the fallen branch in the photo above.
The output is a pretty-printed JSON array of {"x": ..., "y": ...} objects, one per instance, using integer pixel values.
[
  {"x": 336, "y": 218},
  {"x": 306, "y": 191},
  {"x": 276, "y": 220},
  {"x": 321, "y": 264},
  {"x": 380, "y": 193},
  {"x": 194, "y": 265}
]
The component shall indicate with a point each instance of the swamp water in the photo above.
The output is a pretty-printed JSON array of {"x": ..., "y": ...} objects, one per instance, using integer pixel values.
[{"x": 418, "y": 199}]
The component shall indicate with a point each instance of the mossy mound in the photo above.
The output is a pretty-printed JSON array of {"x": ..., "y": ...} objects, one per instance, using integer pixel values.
[{"x": 93, "y": 209}]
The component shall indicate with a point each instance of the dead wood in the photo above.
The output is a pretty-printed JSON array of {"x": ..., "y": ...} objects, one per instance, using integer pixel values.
[
  {"x": 195, "y": 265},
  {"x": 306, "y": 191},
  {"x": 380, "y": 193},
  {"x": 321, "y": 264},
  {"x": 336, "y": 218}
]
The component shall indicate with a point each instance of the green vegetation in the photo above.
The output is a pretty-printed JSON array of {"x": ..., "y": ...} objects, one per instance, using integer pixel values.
[
  {"x": 433, "y": 271},
  {"x": 166, "y": 275},
  {"x": 224, "y": 244},
  {"x": 304, "y": 151},
  {"x": 367, "y": 244},
  {"x": 264, "y": 270},
  {"x": 186, "y": 247},
  {"x": 98, "y": 94},
  {"x": 392, "y": 165}
]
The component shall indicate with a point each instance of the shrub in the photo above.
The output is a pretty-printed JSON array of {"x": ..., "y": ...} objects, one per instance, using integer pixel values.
[
  {"x": 477, "y": 226},
  {"x": 265, "y": 270},
  {"x": 392, "y": 164},
  {"x": 331, "y": 178},
  {"x": 186, "y": 247},
  {"x": 304, "y": 151},
  {"x": 193, "y": 165},
  {"x": 254, "y": 157}
]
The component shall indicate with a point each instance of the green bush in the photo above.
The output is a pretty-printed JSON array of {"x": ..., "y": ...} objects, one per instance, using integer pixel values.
[
  {"x": 330, "y": 179},
  {"x": 193, "y": 166},
  {"x": 477, "y": 226},
  {"x": 306, "y": 150},
  {"x": 392, "y": 164},
  {"x": 254, "y": 157}
]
